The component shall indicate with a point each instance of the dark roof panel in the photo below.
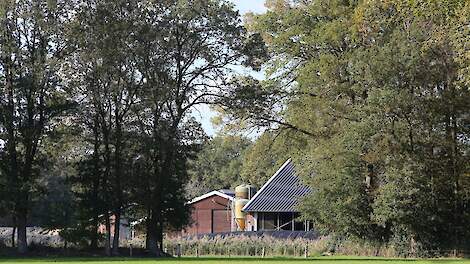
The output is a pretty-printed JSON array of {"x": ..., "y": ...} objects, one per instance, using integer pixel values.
[
  {"x": 228, "y": 192},
  {"x": 280, "y": 193}
]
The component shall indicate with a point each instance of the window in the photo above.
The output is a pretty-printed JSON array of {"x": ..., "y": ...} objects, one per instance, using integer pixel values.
[
  {"x": 267, "y": 221},
  {"x": 285, "y": 221}
]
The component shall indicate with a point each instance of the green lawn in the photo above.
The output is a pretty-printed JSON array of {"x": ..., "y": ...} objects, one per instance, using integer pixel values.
[{"x": 319, "y": 260}]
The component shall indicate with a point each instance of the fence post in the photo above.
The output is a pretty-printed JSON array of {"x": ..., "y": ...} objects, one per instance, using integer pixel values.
[
  {"x": 178, "y": 250},
  {"x": 197, "y": 251},
  {"x": 306, "y": 250},
  {"x": 263, "y": 252}
]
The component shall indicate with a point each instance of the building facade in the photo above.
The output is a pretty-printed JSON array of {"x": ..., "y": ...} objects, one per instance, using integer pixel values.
[
  {"x": 211, "y": 213},
  {"x": 274, "y": 206}
]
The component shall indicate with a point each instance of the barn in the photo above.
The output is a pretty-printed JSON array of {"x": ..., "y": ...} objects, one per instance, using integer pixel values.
[
  {"x": 272, "y": 208},
  {"x": 211, "y": 213}
]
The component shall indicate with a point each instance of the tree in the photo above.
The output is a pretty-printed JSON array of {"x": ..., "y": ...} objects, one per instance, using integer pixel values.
[
  {"x": 378, "y": 91},
  {"x": 266, "y": 156},
  {"x": 105, "y": 37},
  {"x": 217, "y": 165},
  {"x": 31, "y": 95},
  {"x": 187, "y": 50}
]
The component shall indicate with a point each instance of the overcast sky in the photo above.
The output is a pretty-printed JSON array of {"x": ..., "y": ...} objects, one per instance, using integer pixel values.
[{"x": 203, "y": 113}]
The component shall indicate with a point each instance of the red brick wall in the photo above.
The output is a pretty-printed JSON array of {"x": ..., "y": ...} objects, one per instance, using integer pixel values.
[{"x": 210, "y": 215}]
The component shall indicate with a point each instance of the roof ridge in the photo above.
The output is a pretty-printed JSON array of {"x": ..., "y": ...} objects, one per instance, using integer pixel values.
[{"x": 209, "y": 194}]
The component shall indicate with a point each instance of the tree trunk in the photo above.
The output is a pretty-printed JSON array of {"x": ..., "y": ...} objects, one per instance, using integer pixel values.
[
  {"x": 95, "y": 220},
  {"x": 155, "y": 203},
  {"x": 13, "y": 231},
  {"x": 152, "y": 236},
  {"x": 107, "y": 245},
  {"x": 94, "y": 235},
  {"x": 117, "y": 225},
  {"x": 160, "y": 234},
  {"x": 22, "y": 247},
  {"x": 161, "y": 182},
  {"x": 107, "y": 197},
  {"x": 118, "y": 187},
  {"x": 96, "y": 185}
]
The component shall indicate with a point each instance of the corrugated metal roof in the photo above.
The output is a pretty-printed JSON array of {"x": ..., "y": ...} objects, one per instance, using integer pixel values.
[{"x": 280, "y": 193}]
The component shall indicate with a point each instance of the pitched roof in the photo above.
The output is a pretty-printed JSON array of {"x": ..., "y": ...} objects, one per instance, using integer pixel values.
[
  {"x": 209, "y": 194},
  {"x": 280, "y": 193}
]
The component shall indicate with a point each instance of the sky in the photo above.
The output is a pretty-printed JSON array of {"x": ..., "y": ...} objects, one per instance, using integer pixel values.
[
  {"x": 203, "y": 113},
  {"x": 244, "y": 6}
]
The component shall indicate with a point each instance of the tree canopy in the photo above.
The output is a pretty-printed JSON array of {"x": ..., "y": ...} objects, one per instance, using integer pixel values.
[
  {"x": 378, "y": 91},
  {"x": 130, "y": 74},
  {"x": 217, "y": 165},
  {"x": 369, "y": 98}
]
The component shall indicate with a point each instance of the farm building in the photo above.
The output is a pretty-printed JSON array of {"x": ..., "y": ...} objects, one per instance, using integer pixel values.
[
  {"x": 272, "y": 208},
  {"x": 212, "y": 213}
]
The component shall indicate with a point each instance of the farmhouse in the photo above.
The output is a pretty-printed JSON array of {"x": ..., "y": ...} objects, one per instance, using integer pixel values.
[{"x": 273, "y": 207}]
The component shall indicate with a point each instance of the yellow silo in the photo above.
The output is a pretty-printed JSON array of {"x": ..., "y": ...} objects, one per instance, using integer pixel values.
[
  {"x": 241, "y": 191},
  {"x": 239, "y": 214}
]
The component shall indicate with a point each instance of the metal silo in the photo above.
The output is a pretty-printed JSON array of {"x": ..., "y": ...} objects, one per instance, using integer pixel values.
[
  {"x": 241, "y": 191},
  {"x": 240, "y": 215}
]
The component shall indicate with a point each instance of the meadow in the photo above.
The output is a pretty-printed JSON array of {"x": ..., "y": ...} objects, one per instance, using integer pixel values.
[{"x": 194, "y": 260}]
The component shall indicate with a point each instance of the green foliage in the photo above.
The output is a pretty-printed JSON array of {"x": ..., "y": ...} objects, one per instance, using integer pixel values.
[
  {"x": 136, "y": 70},
  {"x": 33, "y": 97},
  {"x": 376, "y": 91},
  {"x": 266, "y": 155},
  {"x": 217, "y": 165}
]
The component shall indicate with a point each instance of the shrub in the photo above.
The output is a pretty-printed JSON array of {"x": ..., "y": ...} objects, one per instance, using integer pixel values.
[{"x": 245, "y": 246}]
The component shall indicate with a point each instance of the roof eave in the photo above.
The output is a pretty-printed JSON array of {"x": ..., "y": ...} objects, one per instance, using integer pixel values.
[{"x": 209, "y": 194}]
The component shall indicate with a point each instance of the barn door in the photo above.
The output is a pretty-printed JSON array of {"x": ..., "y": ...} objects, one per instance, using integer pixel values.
[{"x": 221, "y": 221}]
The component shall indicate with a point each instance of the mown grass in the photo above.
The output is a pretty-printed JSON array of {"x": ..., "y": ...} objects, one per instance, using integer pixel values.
[{"x": 234, "y": 260}]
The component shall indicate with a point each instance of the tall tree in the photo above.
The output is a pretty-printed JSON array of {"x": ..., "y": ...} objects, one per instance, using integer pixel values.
[
  {"x": 378, "y": 90},
  {"x": 187, "y": 51},
  {"x": 106, "y": 34},
  {"x": 31, "y": 94}
]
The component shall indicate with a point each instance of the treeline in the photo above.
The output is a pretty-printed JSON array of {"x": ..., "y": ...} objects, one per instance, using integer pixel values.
[
  {"x": 95, "y": 103},
  {"x": 371, "y": 99}
]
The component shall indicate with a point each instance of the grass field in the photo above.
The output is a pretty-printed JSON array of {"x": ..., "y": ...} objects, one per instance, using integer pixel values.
[{"x": 319, "y": 260}]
